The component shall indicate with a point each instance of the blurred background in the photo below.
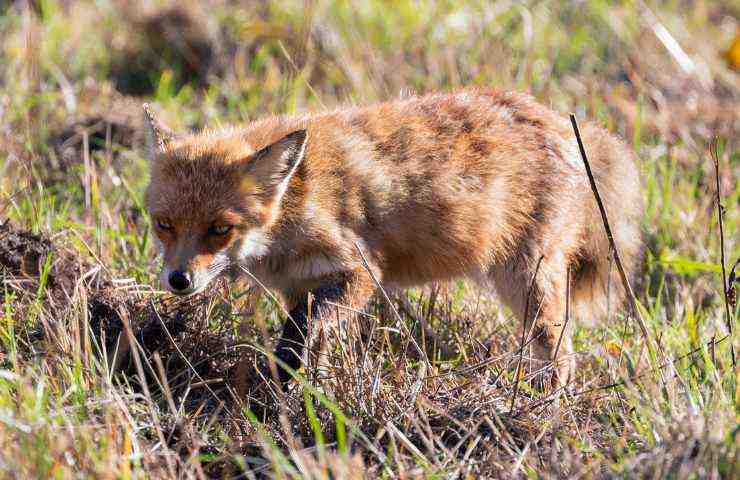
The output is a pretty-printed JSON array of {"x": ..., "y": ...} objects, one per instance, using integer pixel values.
[{"x": 663, "y": 69}]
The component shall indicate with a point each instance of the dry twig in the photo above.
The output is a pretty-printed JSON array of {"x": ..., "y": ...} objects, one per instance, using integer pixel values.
[
  {"x": 617, "y": 259},
  {"x": 714, "y": 152}
]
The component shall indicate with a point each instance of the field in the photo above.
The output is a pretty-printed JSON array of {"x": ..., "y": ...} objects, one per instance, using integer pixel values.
[{"x": 104, "y": 375}]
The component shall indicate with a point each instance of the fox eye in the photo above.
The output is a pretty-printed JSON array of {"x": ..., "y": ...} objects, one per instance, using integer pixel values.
[
  {"x": 163, "y": 224},
  {"x": 219, "y": 230}
]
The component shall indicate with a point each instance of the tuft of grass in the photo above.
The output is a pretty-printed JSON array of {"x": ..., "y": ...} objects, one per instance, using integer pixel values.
[{"x": 180, "y": 396}]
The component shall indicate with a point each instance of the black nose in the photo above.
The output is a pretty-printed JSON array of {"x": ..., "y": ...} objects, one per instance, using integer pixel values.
[{"x": 179, "y": 280}]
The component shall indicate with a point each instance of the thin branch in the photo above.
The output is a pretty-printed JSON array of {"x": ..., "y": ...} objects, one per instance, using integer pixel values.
[
  {"x": 714, "y": 152},
  {"x": 567, "y": 312},
  {"x": 617, "y": 259}
]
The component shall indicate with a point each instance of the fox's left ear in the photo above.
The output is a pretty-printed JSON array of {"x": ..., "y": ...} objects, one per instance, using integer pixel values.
[
  {"x": 158, "y": 135},
  {"x": 275, "y": 165}
]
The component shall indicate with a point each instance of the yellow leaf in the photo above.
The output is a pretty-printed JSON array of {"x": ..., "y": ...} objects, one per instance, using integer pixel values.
[
  {"x": 732, "y": 55},
  {"x": 612, "y": 348}
]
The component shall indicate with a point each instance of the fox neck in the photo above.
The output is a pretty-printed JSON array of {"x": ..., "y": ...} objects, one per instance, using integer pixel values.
[
  {"x": 263, "y": 250},
  {"x": 255, "y": 245}
]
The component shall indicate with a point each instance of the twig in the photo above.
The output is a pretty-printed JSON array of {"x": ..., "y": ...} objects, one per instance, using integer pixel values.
[
  {"x": 567, "y": 312},
  {"x": 617, "y": 259},
  {"x": 714, "y": 152},
  {"x": 524, "y": 333}
]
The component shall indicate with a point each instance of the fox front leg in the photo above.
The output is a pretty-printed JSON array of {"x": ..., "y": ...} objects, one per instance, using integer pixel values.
[{"x": 350, "y": 290}]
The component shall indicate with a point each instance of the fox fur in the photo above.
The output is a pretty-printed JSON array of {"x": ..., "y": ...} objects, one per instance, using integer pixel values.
[{"x": 476, "y": 183}]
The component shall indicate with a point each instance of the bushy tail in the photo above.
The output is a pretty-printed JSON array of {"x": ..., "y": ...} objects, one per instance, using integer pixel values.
[{"x": 596, "y": 285}]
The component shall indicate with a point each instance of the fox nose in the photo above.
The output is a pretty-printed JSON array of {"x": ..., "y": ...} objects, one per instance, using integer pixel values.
[{"x": 179, "y": 280}]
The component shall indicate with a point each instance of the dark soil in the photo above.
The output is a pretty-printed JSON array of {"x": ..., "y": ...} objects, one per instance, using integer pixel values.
[
  {"x": 191, "y": 352},
  {"x": 24, "y": 256},
  {"x": 22, "y": 252}
]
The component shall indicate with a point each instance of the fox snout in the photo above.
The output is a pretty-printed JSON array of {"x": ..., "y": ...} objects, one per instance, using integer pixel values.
[
  {"x": 188, "y": 267},
  {"x": 187, "y": 280},
  {"x": 179, "y": 281}
]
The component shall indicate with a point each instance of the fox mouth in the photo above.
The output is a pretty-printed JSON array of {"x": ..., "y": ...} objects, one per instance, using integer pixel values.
[
  {"x": 188, "y": 292},
  {"x": 187, "y": 282}
]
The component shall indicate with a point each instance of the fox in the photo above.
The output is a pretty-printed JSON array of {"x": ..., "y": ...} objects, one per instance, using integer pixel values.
[{"x": 326, "y": 207}]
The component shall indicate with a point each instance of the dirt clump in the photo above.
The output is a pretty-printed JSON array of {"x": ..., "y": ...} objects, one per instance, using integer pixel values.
[
  {"x": 27, "y": 258},
  {"x": 194, "y": 340},
  {"x": 194, "y": 337},
  {"x": 191, "y": 350},
  {"x": 22, "y": 252}
]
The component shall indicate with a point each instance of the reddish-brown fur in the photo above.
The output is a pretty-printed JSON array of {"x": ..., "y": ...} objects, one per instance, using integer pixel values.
[{"x": 476, "y": 184}]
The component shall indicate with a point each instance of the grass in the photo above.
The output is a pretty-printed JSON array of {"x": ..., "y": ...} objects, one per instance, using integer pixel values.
[{"x": 103, "y": 375}]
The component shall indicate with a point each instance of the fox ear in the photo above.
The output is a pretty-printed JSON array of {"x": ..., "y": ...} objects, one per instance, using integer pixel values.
[
  {"x": 158, "y": 135},
  {"x": 274, "y": 165}
]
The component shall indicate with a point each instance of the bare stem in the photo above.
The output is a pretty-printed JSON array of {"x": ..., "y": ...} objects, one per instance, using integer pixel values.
[
  {"x": 714, "y": 152},
  {"x": 617, "y": 259},
  {"x": 567, "y": 313}
]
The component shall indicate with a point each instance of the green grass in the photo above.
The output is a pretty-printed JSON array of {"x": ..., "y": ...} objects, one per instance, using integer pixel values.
[{"x": 73, "y": 402}]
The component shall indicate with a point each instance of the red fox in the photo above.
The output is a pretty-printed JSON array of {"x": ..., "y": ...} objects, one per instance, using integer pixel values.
[{"x": 477, "y": 183}]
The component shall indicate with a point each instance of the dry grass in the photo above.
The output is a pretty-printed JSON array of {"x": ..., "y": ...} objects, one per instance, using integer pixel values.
[{"x": 102, "y": 375}]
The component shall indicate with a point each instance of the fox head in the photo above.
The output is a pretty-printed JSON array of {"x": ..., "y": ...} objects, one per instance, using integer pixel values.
[{"x": 212, "y": 198}]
